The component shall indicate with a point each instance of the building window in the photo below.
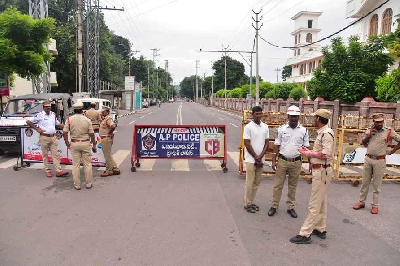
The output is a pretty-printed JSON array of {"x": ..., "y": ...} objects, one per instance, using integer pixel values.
[
  {"x": 301, "y": 70},
  {"x": 299, "y": 39},
  {"x": 313, "y": 65},
  {"x": 310, "y": 24},
  {"x": 298, "y": 52},
  {"x": 387, "y": 21},
  {"x": 310, "y": 67},
  {"x": 309, "y": 37},
  {"x": 373, "y": 26},
  {"x": 295, "y": 39}
]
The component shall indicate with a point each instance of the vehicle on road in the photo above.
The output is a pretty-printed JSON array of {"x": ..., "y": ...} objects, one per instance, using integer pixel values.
[
  {"x": 145, "y": 104},
  {"x": 25, "y": 107},
  {"x": 100, "y": 103}
]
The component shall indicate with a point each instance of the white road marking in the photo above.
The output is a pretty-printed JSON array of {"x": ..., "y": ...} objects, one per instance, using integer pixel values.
[
  {"x": 233, "y": 125},
  {"x": 212, "y": 165},
  {"x": 142, "y": 116},
  {"x": 221, "y": 118},
  {"x": 180, "y": 165},
  {"x": 150, "y": 113},
  {"x": 130, "y": 123},
  {"x": 234, "y": 156},
  {"x": 146, "y": 165},
  {"x": 119, "y": 157},
  {"x": 8, "y": 163}
]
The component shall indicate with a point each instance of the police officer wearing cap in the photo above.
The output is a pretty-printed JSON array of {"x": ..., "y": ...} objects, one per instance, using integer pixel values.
[
  {"x": 94, "y": 116},
  {"x": 291, "y": 136},
  {"x": 82, "y": 137},
  {"x": 46, "y": 122},
  {"x": 377, "y": 139},
  {"x": 320, "y": 158},
  {"x": 106, "y": 132}
]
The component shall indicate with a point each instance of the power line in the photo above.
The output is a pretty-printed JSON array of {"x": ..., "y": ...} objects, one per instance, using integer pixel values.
[
  {"x": 333, "y": 34},
  {"x": 287, "y": 10},
  {"x": 279, "y": 2}
]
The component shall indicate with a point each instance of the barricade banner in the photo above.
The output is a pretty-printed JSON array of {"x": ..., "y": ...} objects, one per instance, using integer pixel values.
[
  {"x": 201, "y": 142},
  {"x": 32, "y": 152}
]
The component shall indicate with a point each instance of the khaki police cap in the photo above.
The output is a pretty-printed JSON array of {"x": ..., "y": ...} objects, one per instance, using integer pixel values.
[
  {"x": 378, "y": 117},
  {"x": 323, "y": 113},
  {"x": 46, "y": 104},
  {"x": 93, "y": 103},
  {"x": 106, "y": 108},
  {"x": 78, "y": 105}
]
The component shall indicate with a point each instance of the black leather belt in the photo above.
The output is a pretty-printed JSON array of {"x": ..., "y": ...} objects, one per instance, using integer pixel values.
[{"x": 298, "y": 158}]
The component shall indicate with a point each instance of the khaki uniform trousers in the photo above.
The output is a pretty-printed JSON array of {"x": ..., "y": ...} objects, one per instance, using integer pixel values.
[
  {"x": 253, "y": 179},
  {"x": 292, "y": 169},
  {"x": 317, "y": 206},
  {"x": 81, "y": 151},
  {"x": 107, "y": 146},
  {"x": 50, "y": 143},
  {"x": 372, "y": 169}
]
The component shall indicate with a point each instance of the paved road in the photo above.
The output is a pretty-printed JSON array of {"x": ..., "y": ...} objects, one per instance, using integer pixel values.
[{"x": 181, "y": 212}]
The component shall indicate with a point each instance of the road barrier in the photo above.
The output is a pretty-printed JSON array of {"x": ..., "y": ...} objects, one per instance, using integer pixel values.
[
  {"x": 274, "y": 120},
  {"x": 350, "y": 154},
  {"x": 193, "y": 142}
]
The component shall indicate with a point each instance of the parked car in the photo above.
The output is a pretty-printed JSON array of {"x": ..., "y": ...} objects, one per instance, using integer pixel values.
[
  {"x": 153, "y": 102},
  {"x": 145, "y": 104},
  {"x": 100, "y": 102}
]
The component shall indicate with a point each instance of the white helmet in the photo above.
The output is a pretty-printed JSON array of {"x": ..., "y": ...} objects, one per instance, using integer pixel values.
[{"x": 293, "y": 110}]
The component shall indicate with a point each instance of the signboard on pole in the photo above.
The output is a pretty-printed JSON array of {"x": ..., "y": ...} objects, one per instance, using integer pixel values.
[
  {"x": 4, "y": 85},
  {"x": 201, "y": 142}
]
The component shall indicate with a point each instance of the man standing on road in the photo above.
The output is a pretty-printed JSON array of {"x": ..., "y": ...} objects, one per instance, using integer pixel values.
[
  {"x": 322, "y": 173},
  {"x": 81, "y": 131},
  {"x": 106, "y": 133},
  {"x": 291, "y": 137},
  {"x": 46, "y": 122},
  {"x": 377, "y": 139},
  {"x": 94, "y": 116},
  {"x": 256, "y": 135}
]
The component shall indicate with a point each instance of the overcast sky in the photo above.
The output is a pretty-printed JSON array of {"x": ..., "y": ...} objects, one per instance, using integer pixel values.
[{"x": 179, "y": 28}]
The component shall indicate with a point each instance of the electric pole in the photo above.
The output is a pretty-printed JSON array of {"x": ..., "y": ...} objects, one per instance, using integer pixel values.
[
  {"x": 148, "y": 84},
  {"x": 257, "y": 28},
  {"x": 277, "y": 74},
  {"x": 79, "y": 48},
  {"x": 39, "y": 9},
  {"x": 197, "y": 82},
  {"x": 155, "y": 55},
  {"x": 204, "y": 78},
  {"x": 166, "y": 78}
]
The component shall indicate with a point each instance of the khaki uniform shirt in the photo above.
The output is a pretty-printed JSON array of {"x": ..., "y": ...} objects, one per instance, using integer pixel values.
[
  {"x": 79, "y": 127},
  {"x": 324, "y": 143},
  {"x": 105, "y": 126},
  {"x": 378, "y": 142},
  {"x": 94, "y": 116}
]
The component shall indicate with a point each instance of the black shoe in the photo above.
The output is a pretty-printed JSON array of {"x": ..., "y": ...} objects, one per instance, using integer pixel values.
[
  {"x": 301, "y": 239},
  {"x": 272, "y": 211},
  {"x": 321, "y": 235},
  {"x": 292, "y": 213}
]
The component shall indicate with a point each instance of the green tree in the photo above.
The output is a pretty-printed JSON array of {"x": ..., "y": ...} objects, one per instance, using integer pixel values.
[
  {"x": 22, "y": 41},
  {"x": 297, "y": 93},
  {"x": 388, "y": 87},
  {"x": 234, "y": 73},
  {"x": 188, "y": 87},
  {"x": 349, "y": 72},
  {"x": 235, "y": 93},
  {"x": 393, "y": 40},
  {"x": 286, "y": 72}
]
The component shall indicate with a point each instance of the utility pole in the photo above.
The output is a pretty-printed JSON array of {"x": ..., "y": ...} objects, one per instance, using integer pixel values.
[
  {"x": 129, "y": 61},
  {"x": 166, "y": 78},
  {"x": 148, "y": 84},
  {"x": 204, "y": 78},
  {"x": 79, "y": 48},
  {"x": 257, "y": 28},
  {"x": 277, "y": 74},
  {"x": 39, "y": 9},
  {"x": 155, "y": 55},
  {"x": 197, "y": 82},
  {"x": 225, "y": 51}
]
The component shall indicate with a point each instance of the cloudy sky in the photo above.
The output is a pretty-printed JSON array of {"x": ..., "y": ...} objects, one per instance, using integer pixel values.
[{"x": 179, "y": 28}]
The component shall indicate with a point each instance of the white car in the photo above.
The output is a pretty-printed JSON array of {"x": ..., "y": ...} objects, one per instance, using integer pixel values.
[
  {"x": 100, "y": 103},
  {"x": 145, "y": 104}
]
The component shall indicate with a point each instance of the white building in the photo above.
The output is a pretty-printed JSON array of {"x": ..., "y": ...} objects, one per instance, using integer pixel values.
[
  {"x": 380, "y": 21},
  {"x": 305, "y": 59}
]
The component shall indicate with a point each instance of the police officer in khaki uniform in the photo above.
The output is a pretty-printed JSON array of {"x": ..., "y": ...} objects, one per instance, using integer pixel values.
[
  {"x": 94, "y": 116},
  {"x": 377, "y": 139},
  {"x": 82, "y": 136},
  {"x": 322, "y": 173},
  {"x": 46, "y": 122},
  {"x": 106, "y": 132}
]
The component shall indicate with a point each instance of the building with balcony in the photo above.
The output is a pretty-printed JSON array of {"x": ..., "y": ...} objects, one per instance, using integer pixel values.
[
  {"x": 306, "y": 56},
  {"x": 380, "y": 21}
]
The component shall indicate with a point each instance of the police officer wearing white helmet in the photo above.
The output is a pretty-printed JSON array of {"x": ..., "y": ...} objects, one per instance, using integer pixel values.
[{"x": 286, "y": 159}]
